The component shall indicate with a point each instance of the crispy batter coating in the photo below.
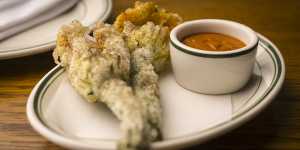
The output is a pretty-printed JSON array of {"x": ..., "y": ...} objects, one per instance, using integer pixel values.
[
  {"x": 102, "y": 75},
  {"x": 120, "y": 99},
  {"x": 149, "y": 55},
  {"x": 150, "y": 36},
  {"x": 119, "y": 65},
  {"x": 145, "y": 85},
  {"x": 144, "y": 12},
  {"x": 154, "y": 25},
  {"x": 149, "y": 47}
]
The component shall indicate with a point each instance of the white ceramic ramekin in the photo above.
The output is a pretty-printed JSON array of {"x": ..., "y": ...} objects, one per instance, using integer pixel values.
[{"x": 211, "y": 72}]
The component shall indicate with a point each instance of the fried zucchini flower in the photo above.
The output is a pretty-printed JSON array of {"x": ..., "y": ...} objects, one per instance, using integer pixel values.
[{"x": 102, "y": 74}]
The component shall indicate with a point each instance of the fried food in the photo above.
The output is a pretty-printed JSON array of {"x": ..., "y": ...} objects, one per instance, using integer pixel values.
[
  {"x": 102, "y": 75},
  {"x": 145, "y": 85},
  {"x": 155, "y": 24},
  {"x": 146, "y": 28},
  {"x": 119, "y": 65},
  {"x": 120, "y": 99},
  {"x": 148, "y": 44},
  {"x": 150, "y": 36},
  {"x": 145, "y": 12},
  {"x": 145, "y": 43}
]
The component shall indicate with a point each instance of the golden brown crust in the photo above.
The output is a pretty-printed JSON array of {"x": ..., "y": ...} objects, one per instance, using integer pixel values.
[{"x": 145, "y": 12}]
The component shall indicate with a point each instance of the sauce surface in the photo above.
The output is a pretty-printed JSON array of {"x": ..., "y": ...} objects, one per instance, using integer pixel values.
[{"x": 213, "y": 42}]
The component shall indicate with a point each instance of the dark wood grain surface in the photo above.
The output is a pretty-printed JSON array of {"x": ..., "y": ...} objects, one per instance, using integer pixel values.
[{"x": 277, "y": 127}]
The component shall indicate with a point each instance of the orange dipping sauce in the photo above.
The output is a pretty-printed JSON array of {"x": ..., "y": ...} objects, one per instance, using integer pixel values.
[{"x": 213, "y": 42}]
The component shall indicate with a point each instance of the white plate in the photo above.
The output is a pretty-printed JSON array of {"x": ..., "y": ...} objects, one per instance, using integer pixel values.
[
  {"x": 58, "y": 113},
  {"x": 41, "y": 38}
]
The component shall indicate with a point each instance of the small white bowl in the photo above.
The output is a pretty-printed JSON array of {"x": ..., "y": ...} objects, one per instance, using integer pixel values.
[{"x": 211, "y": 72}]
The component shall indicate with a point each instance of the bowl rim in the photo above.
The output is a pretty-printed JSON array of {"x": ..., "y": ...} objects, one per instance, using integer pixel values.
[{"x": 251, "y": 46}]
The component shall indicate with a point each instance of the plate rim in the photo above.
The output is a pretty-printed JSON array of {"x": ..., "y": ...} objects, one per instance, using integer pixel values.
[
  {"x": 48, "y": 46},
  {"x": 171, "y": 143}
]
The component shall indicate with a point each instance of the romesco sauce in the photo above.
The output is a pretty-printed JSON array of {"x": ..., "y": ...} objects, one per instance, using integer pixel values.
[{"x": 213, "y": 42}]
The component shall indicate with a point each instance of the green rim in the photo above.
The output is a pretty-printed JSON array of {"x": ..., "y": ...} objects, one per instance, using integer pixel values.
[
  {"x": 50, "y": 78},
  {"x": 229, "y": 55},
  {"x": 254, "y": 93}
]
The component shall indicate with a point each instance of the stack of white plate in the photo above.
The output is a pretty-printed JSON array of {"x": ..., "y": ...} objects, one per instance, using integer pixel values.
[{"x": 41, "y": 37}]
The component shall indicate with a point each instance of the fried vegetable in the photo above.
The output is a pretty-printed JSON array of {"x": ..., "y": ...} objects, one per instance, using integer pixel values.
[
  {"x": 154, "y": 25},
  {"x": 146, "y": 28},
  {"x": 145, "y": 12},
  {"x": 101, "y": 74},
  {"x": 145, "y": 43},
  {"x": 150, "y": 36},
  {"x": 145, "y": 84},
  {"x": 119, "y": 65},
  {"x": 119, "y": 97}
]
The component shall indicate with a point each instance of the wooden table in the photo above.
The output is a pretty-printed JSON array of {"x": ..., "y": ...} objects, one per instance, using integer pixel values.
[{"x": 278, "y": 127}]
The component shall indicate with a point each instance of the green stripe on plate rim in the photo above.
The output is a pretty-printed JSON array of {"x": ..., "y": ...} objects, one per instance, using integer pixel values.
[{"x": 54, "y": 74}]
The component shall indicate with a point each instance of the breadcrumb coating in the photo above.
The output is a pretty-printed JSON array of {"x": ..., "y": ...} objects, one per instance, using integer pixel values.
[
  {"x": 102, "y": 74},
  {"x": 150, "y": 36},
  {"x": 144, "y": 12},
  {"x": 119, "y": 65}
]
